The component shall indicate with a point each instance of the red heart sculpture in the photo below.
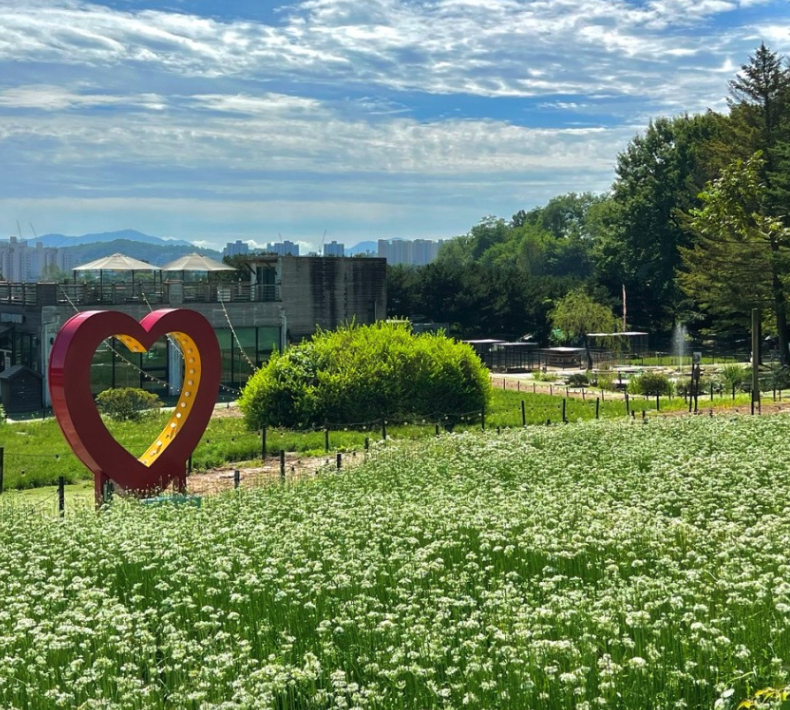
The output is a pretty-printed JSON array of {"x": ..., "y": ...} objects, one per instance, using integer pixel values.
[{"x": 72, "y": 402}]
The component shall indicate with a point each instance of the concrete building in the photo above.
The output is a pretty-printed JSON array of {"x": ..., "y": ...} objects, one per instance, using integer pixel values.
[
  {"x": 236, "y": 248},
  {"x": 282, "y": 300},
  {"x": 334, "y": 249},
  {"x": 20, "y": 262},
  {"x": 284, "y": 248},
  {"x": 411, "y": 253}
]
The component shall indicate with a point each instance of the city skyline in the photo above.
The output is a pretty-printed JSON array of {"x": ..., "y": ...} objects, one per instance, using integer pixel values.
[{"x": 326, "y": 120}]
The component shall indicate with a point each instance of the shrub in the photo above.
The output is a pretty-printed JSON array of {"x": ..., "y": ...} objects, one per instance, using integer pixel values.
[
  {"x": 544, "y": 376},
  {"x": 683, "y": 386},
  {"x": 361, "y": 374},
  {"x": 127, "y": 403},
  {"x": 650, "y": 383},
  {"x": 605, "y": 380},
  {"x": 776, "y": 377},
  {"x": 734, "y": 375},
  {"x": 578, "y": 379}
]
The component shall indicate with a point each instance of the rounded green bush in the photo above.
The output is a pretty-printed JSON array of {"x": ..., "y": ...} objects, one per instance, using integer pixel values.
[
  {"x": 650, "y": 383},
  {"x": 127, "y": 403},
  {"x": 361, "y": 374},
  {"x": 578, "y": 379}
]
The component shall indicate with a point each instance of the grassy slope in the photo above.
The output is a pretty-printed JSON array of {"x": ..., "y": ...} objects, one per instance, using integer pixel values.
[
  {"x": 614, "y": 563},
  {"x": 35, "y": 453}
]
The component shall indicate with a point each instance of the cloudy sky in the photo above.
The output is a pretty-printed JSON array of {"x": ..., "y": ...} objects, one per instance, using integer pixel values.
[{"x": 217, "y": 120}]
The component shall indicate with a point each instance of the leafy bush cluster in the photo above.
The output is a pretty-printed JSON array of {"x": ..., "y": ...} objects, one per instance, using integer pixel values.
[
  {"x": 578, "y": 379},
  {"x": 366, "y": 373},
  {"x": 127, "y": 403},
  {"x": 651, "y": 384}
]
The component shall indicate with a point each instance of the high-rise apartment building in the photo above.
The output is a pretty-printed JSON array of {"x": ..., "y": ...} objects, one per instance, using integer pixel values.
[
  {"x": 284, "y": 248},
  {"x": 236, "y": 248},
  {"x": 412, "y": 253},
  {"x": 334, "y": 249}
]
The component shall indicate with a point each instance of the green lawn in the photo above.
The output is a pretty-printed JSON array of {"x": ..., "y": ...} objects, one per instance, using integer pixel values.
[{"x": 35, "y": 453}]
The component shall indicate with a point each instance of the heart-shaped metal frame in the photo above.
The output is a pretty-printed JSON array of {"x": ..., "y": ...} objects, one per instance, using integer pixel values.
[{"x": 72, "y": 401}]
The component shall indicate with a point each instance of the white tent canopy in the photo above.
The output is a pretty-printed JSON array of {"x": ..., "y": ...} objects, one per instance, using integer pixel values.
[
  {"x": 117, "y": 262},
  {"x": 196, "y": 262}
]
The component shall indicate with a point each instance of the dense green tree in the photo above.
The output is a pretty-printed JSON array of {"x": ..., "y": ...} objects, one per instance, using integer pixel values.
[
  {"x": 576, "y": 314},
  {"x": 741, "y": 254},
  {"x": 658, "y": 175},
  {"x": 759, "y": 114}
]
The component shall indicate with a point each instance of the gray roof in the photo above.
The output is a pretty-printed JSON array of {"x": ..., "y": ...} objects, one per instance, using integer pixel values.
[{"x": 16, "y": 369}]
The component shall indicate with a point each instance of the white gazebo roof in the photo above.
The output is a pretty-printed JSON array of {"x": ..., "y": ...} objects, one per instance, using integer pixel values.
[
  {"x": 196, "y": 262},
  {"x": 116, "y": 262}
]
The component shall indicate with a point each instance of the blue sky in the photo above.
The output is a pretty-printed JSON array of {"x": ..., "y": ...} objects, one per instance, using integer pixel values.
[{"x": 217, "y": 120}]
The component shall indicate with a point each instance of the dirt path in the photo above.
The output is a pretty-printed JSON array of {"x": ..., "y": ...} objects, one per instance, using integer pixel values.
[{"x": 297, "y": 466}]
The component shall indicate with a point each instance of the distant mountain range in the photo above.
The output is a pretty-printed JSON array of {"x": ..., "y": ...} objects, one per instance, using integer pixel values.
[
  {"x": 64, "y": 241},
  {"x": 156, "y": 250},
  {"x": 156, "y": 254}
]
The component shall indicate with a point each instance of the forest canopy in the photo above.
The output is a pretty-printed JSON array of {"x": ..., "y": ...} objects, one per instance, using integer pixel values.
[{"x": 672, "y": 232}]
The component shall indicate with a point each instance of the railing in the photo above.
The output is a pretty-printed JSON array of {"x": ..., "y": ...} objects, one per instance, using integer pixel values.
[
  {"x": 170, "y": 292},
  {"x": 20, "y": 294}
]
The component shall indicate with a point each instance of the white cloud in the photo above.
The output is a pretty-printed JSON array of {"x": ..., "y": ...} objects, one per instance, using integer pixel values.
[
  {"x": 347, "y": 110},
  {"x": 48, "y": 97},
  {"x": 485, "y": 47}
]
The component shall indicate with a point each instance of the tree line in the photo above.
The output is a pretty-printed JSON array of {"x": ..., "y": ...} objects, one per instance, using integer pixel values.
[{"x": 695, "y": 229}]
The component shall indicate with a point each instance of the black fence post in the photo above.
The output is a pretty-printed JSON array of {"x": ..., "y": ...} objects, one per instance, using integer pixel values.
[
  {"x": 367, "y": 439},
  {"x": 383, "y": 429},
  {"x": 236, "y": 478},
  {"x": 658, "y": 402},
  {"x": 61, "y": 496},
  {"x": 564, "y": 417},
  {"x": 339, "y": 460},
  {"x": 627, "y": 405},
  {"x": 282, "y": 464},
  {"x": 437, "y": 429},
  {"x": 263, "y": 443},
  {"x": 523, "y": 414},
  {"x": 597, "y": 407}
]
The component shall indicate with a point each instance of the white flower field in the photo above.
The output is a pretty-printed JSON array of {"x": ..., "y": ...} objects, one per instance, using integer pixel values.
[{"x": 601, "y": 564}]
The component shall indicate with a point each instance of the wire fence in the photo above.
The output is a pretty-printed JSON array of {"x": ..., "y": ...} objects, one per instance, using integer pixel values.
[{"x": 272, "y": 456}]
